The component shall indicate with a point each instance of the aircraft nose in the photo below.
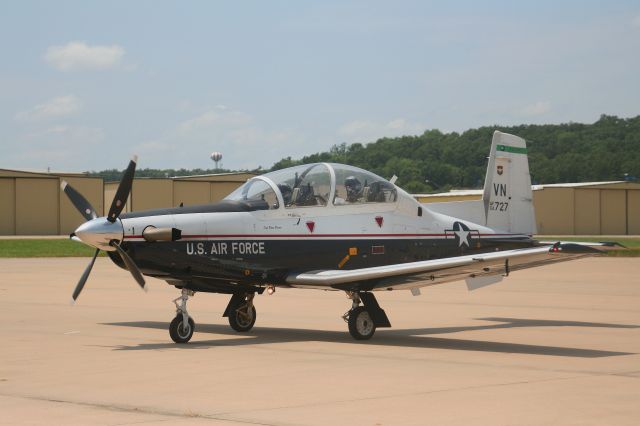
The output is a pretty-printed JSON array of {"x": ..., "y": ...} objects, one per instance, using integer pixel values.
[{"x": 99, "y": 232}]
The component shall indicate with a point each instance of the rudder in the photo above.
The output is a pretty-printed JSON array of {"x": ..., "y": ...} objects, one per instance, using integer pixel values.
[{"x": 507, "y": 198}]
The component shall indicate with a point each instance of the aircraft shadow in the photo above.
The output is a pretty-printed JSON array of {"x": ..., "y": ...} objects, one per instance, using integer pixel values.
[{"x": 410, "y": 338}]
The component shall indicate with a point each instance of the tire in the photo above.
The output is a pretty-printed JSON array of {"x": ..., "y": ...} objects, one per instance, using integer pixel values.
[
  {"x": 176, "y": 332},
  {"x": 361, "y": 325},
  {"x": 238, "y": 322}
]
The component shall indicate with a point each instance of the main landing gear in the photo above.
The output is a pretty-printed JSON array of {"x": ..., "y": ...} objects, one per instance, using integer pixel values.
[
  {"x": 241, "y": 312},
  {"x": 182, "y": 326},
  {"x": 363, "y": 320}
]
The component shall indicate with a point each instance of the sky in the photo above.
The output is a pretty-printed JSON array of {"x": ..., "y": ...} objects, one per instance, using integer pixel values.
[{"x": 85, "y": 85}]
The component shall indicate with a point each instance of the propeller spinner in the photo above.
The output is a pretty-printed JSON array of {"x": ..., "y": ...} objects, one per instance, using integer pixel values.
[{"x": 104, "y": 233}]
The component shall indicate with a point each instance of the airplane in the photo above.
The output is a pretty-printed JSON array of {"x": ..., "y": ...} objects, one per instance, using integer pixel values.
[{"x": 329, "y": 227}]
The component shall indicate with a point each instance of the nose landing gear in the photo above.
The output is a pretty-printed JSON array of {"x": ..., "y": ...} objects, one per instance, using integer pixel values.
[{"x": 182, "y": 326}]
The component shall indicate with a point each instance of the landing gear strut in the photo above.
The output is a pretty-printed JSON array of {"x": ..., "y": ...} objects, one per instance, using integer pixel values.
[
  {"x": 182, "y": 326},
  {"x": 241, "y": 312},
  {"x": 363, "y": 320}
]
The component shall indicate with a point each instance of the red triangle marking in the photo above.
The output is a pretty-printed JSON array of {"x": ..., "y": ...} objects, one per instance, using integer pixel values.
[
  {"x": 311, "y": 225},
  {"x": 379, "y": 220}
]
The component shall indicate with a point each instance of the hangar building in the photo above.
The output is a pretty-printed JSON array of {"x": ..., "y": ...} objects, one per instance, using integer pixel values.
[
  {"x": 32, "y": 203},
  {"x": 590, "y": 208},
  {"x": 151, "y": 193}
]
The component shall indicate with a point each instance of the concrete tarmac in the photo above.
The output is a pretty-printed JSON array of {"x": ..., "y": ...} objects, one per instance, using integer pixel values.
[{"x": 553, "y": 345}]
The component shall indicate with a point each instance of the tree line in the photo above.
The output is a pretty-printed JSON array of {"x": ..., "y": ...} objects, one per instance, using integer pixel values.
[
  {"x": 608, "y": 149},
  {"x": 114, "y": 175}
]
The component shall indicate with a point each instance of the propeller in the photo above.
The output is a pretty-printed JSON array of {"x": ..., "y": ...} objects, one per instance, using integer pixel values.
[
  {"x": 98, "y": 229},
  {"x": 131, "y": 266},
  {"x": 123, "y": 191},
  {"x": 84, "y": 207},
  {"x": 83, "y": 278}
]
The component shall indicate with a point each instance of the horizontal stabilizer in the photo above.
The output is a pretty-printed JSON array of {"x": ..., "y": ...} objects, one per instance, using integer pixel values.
[{"x": 582, "y": 246}]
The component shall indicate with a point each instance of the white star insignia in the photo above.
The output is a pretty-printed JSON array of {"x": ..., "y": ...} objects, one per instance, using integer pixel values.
[{"x": 462, "y": 235}]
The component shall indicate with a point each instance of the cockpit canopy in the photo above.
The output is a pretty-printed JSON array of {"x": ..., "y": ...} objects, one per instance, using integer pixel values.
[
  {"x": 316, "y": 185},
  {"x": 357, "y": 186}
]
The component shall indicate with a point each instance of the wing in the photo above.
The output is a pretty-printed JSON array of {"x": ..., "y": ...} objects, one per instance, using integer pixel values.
[{"x": 477, "y": 269}]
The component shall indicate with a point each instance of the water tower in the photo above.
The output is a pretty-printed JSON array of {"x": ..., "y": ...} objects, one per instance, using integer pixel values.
[{"x": 216, "y": 157}]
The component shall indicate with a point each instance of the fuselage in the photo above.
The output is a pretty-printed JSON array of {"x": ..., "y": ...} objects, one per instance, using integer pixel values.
[
  {"x": 221, "y": 250},
  {"x": 306, "y": 218}
]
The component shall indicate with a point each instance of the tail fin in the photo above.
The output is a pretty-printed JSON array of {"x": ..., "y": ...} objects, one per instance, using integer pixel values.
[{"x": 507, "y": 198}]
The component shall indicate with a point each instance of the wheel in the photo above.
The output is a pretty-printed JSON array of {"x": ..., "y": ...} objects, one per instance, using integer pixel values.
[
  {"x": 361, "y": 326},
  {"x": 181, "y": 334},
  {"x": 239, "y": 320}
]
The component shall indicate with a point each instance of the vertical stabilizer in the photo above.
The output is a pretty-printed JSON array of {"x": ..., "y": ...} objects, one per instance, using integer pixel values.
[{"x": 507, "y": 198}]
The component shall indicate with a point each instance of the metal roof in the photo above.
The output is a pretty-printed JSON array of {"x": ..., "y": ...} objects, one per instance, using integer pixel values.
[
  {"x": 453, "y": 193},
  {"x": 43, "y": 173},
  {"x": 580, "y": 184}
]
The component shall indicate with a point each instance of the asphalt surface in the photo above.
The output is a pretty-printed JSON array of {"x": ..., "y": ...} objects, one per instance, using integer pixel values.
[{"x": 553, "y": 345}]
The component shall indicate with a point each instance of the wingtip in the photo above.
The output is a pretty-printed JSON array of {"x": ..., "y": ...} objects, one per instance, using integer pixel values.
[
  {"x": 134, "y": 158},
  {"x": 72, "y": 301},
  {"x": 63, "y": 184}
]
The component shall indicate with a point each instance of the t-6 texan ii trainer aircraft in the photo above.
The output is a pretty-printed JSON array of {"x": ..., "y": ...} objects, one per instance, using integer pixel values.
[{"x": 329, "y": 227}]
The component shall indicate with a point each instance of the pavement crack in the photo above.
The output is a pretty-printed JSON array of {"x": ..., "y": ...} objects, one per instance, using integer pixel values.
[
  {"x": 140, "y": 410},
  {"x": 405, "y": 394}
]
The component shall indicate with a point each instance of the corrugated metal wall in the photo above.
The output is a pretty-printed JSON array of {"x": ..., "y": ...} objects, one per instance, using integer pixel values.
[
  {"x": 32, "y": 204},
  {"x": 601, "y": 209},
  {"x": 35, "y": 205}
]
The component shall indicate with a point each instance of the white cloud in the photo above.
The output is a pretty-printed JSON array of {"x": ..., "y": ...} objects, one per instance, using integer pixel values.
[
  {"x": 184, "y": 105},
  {"x": 245, "y": 143},
  {"x": 537, "y": 108},
  {"x": 220, "y": 118},
  {"x": 369, "y": 131},
  {"x": 78, "y": 55},
  {"x": 62, "y": 106},
  {"x": 154, "y": 147},
  {"x": 55, "y": 130},
  {"x": 66, "y": 134},
  {"x": 60, "y": 147}
]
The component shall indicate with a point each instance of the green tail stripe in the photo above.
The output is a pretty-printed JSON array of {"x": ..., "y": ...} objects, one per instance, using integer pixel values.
[{"x": 513, "y": 149}]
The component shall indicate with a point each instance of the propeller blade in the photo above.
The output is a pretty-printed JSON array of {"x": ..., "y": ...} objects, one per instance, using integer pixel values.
[
  {"x": 123, "y": 191},
  {"x": 83, "y": 278},
  {"x": 84, "y": 207},
  {"x": 131, "y": 266}
]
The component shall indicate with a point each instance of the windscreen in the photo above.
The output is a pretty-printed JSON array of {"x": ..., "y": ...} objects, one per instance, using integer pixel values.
[{"x": 255, "y": 190}]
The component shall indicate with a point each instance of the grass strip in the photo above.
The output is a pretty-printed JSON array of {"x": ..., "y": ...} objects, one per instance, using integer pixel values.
[{"x": 44, "y": 248}]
